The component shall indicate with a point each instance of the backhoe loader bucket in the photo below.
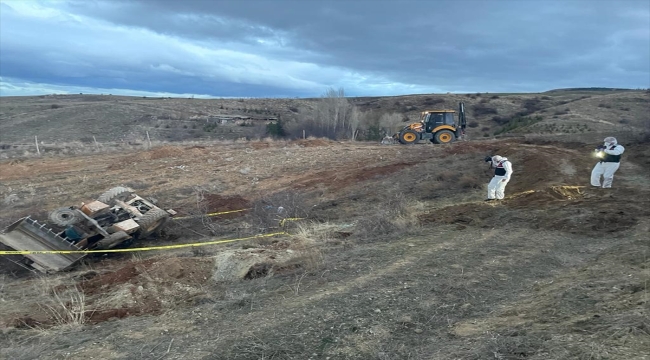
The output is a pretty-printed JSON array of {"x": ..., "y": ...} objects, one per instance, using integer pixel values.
[{"x": 28, "y": 234}]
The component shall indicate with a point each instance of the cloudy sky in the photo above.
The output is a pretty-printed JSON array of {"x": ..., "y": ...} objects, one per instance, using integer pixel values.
[{"x": 300, "y": 48}]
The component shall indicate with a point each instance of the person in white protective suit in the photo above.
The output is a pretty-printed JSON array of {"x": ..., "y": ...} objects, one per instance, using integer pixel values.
[
  {"x": 502, "y": 173},
  {"x": 610, "y": 159}
]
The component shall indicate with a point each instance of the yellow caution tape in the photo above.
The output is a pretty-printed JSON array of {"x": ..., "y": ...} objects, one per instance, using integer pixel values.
[
  {"x": 177, "y": 246},
  {"x": 289, "y": 219},
  {"x": 211, "y": 214}
]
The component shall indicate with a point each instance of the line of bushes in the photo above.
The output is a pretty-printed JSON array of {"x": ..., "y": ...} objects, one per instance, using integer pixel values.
[{"x": 518, "y": 122}]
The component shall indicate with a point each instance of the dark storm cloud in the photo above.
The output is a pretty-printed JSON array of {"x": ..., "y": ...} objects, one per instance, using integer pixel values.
[{"x": 367, "y": 46}]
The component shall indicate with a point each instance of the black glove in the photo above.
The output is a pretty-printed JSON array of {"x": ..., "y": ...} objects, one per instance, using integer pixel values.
[
  {"x": 601, "y": 147},
  {"x": 488, "y": 159}
]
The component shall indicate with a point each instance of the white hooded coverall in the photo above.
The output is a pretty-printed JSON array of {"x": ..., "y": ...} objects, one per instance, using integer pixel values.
[
  {"x": 497, "y": 186},
  {"x": 608, "y": 165}
]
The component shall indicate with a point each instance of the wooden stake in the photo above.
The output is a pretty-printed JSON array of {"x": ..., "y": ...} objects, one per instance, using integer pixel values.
[
  {"x": 303, "y": 134},
  {"x": 149, "y": 139},
  {"x": 36, "y": 142},
  {"x": 96, "y": 144}
]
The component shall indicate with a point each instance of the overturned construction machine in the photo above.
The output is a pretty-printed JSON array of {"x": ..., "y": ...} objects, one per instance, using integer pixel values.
[
  {"x": 115, "y": 220},
  {"x": 438, "y": 126}
]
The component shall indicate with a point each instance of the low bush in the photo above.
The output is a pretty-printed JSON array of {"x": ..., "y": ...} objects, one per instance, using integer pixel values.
[
  {"x": 433, "y": 101},
  {"x": 482, "y": 109},
  {"x": 518, "y": 122}
]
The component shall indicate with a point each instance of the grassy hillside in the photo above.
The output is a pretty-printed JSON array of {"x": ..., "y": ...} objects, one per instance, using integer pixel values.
[{"x": 108, "y": 118}]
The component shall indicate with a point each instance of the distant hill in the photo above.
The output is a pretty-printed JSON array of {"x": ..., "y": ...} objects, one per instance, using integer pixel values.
[
  {"x": 108, "y": 118},
  {"x": 597, "y": 89}
]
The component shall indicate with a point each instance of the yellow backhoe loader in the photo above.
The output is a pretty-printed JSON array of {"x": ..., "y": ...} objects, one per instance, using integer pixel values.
[{"x": 437, "y": 126}]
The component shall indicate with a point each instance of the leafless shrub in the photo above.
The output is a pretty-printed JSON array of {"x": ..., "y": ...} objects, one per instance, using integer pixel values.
[
  {"x": 66, "y": 305},
  {"x": 267, "y": 212},
  {"x": 394, "y": 215},
  {"x": 500, "y": 120},
  {"x": 470, "y": 182},
  {"x": 315, "y": 231},
  {"x": 482, "y": 109},
  {"x": 562, "y": 112},
  {"x": 429, "y": 101},
  {"x": 532, "y": 105},
  {"x": 445, "y": 175}
]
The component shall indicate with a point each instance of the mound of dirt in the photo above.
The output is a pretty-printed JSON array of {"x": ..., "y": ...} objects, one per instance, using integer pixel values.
[
  {"x": 571, "y": 209},
  {"x": 145, "y": 287},
  {"x": 255, "y": 263},
  {"x": 191, "y": 271},
  {"x": 137, "y": 288},
  {"x": 545, "y": 196},
  {"x": 216, "y": 203}
]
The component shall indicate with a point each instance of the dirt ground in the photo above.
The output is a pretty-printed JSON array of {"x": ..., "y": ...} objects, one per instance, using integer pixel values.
[{"x": 395, "y": 256}]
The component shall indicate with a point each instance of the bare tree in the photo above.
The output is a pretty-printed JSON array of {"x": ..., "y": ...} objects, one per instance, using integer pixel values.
[
  {"x": 332, "y": 114},
  {"x": 354, "y": 122},
  {"x": 390, "y": 122}
]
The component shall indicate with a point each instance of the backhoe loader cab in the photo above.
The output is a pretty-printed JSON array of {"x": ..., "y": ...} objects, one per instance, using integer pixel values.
[{"x": 438, "y": 126}]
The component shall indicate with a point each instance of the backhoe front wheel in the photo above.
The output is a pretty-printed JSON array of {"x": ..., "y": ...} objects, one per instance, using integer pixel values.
[
  {"x": 444, "y": 137},
  {"x": 152, "y": 221},
  {"x": 65, "y": 216},
  {"x": 408, "y": 137}
]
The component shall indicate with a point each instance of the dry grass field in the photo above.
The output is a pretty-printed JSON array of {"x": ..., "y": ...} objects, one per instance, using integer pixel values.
[{"x": 396, "y": 256}]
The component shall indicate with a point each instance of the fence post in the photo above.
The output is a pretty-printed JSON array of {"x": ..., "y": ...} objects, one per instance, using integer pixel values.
[
  {"x": 149, "y": 139},
  {"x": 96, "y": 144},
  {"x": 36, "y": 142}
]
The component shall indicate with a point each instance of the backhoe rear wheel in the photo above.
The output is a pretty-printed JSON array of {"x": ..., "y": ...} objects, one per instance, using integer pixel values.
[
  {"x": 116, "y": 193},
  {"x": 444, "y": 137},
  {"x": 152, "y": 221},
  {"x": 408, "y": 137}
]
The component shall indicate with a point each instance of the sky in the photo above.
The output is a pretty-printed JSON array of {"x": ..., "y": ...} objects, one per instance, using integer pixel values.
[{"x": 301, "y": 48}]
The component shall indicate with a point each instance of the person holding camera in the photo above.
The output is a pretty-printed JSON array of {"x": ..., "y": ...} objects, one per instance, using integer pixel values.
[
  {"x": 502, "y": 173},
  {"x": 610, "y": 159}
]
